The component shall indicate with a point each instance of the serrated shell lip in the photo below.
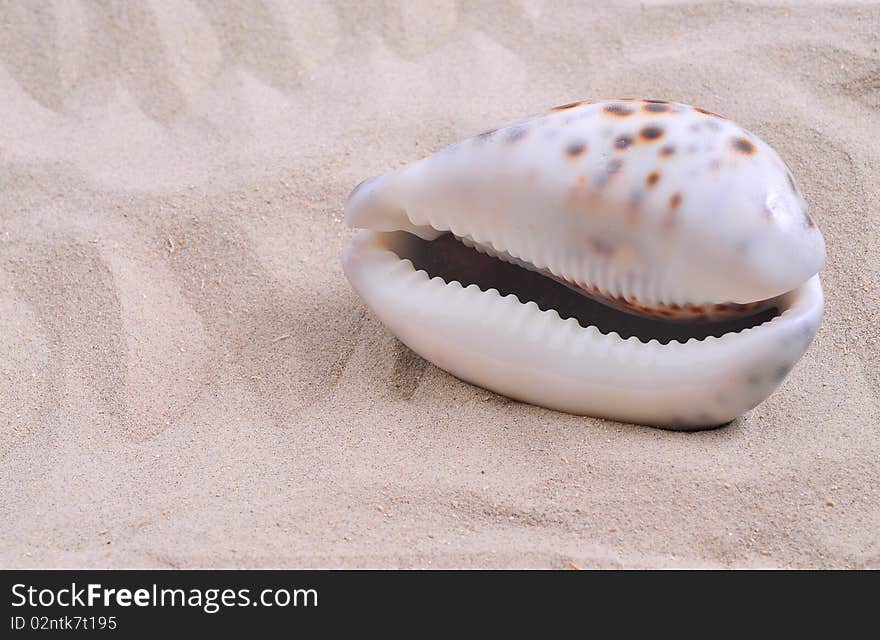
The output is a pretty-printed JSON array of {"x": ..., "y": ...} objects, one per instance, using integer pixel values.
[
  {"x": 804, "y": 301},
  {"x": 528, "y": 354}
]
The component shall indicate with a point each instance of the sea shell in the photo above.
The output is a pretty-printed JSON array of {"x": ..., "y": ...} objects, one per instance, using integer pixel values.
[{"x": 688, "y": 260}]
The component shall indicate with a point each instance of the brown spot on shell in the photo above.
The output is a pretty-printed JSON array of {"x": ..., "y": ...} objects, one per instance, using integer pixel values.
[
  {"x": 653, "y": 178},
  {"x": 651, "y": 133},
  {"x": 619, "y": 110},
  {"x": 675, "y": 200},
  {"x": 570, "y": 105},
  {"x": 614, "y": 165},
  {"x": 666, "y": 151},
  {"x": 656, "y": 107},
  {"x": 742, "y": 145},
  {"x": 576, "y": 149},
  {"x": 601, "y": 247},
  {"x": 623, "y": 142}
]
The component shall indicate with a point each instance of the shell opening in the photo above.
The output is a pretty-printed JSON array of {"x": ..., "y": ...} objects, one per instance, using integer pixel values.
[{"x": 455, "y": 259}]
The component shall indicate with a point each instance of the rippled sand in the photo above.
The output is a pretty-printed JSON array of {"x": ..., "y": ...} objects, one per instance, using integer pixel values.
[{"x": 187, "y": 380}]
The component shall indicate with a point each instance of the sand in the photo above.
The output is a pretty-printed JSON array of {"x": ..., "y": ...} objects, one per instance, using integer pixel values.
[{"x": 187, "y": 380}]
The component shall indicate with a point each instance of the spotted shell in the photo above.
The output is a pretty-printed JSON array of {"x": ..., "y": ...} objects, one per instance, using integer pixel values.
[{"x": 656, "y": 208}]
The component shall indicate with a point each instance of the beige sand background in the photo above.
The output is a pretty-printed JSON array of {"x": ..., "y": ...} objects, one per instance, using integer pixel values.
[{"x": 187, "y": 380}]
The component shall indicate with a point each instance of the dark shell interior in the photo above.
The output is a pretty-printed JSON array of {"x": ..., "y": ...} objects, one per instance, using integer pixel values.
[{"x": 451, "y": 260}]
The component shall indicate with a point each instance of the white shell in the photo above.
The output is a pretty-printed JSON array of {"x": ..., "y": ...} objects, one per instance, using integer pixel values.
[{"x": 593, "y": 194}]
